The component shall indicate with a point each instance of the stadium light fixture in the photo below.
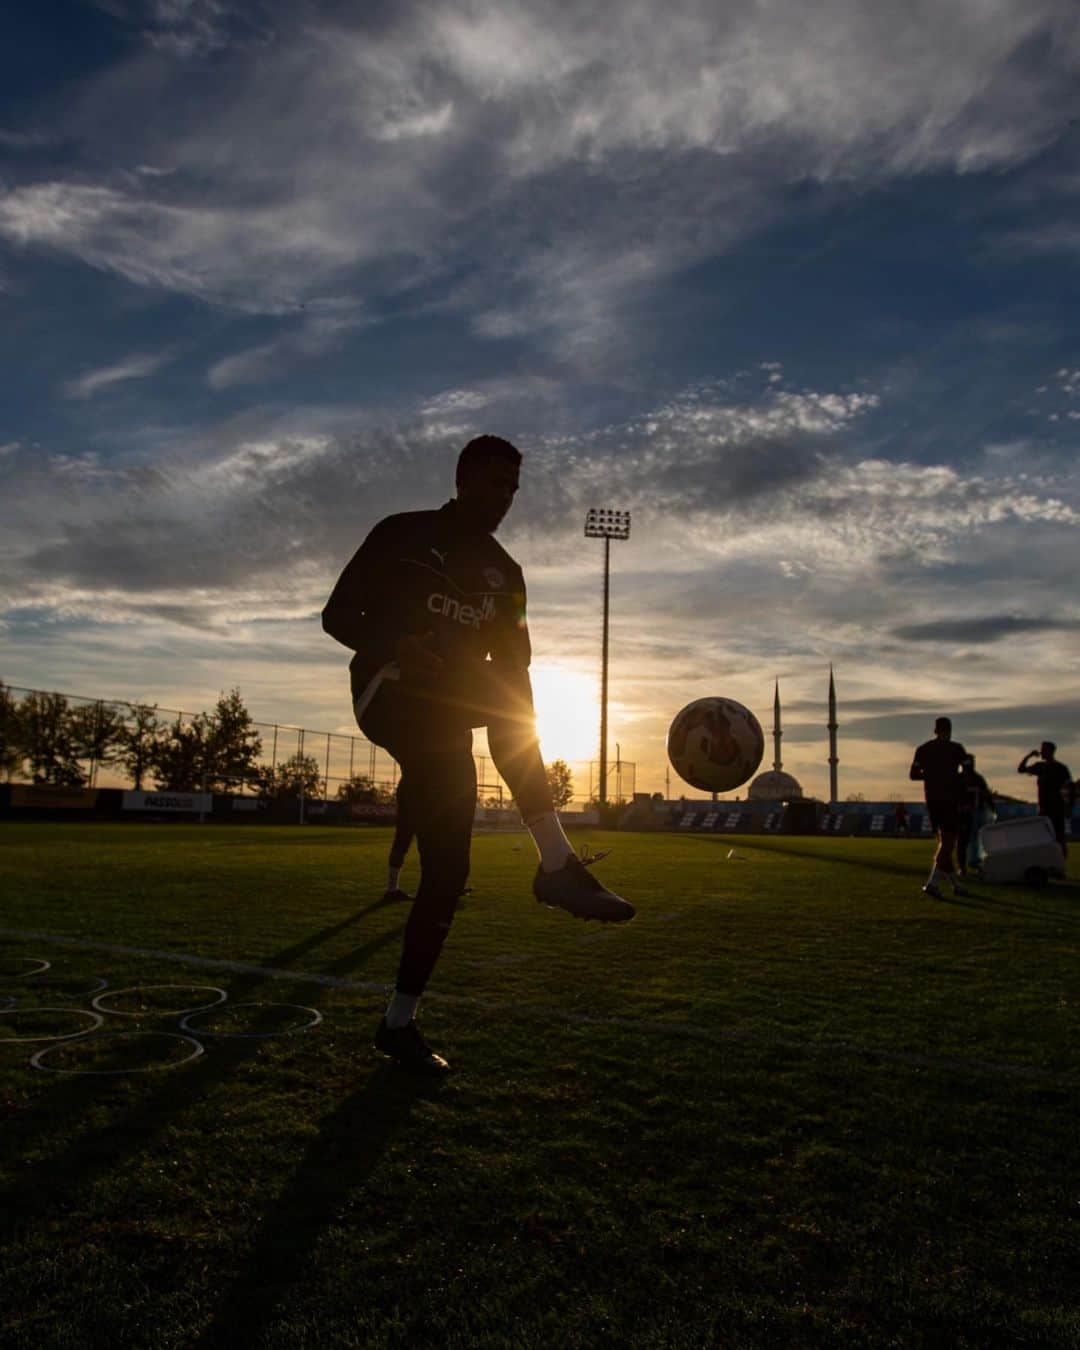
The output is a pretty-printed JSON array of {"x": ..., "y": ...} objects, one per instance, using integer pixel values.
[{"x": 606, "y": 524}]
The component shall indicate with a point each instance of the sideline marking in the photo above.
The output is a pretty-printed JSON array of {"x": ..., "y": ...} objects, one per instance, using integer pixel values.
[{"x": 685, "y": 1029}]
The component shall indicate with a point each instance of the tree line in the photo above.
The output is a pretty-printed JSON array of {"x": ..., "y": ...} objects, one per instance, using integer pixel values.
[{"x": 47, "y": 741}]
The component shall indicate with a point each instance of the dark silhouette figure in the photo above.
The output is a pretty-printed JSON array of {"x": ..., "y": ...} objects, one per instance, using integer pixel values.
[
  {"x": 434, "y": 609},
  {"x": 1056, "y": 789},
  {"x": 937, "y": 765},
  {"x": 976, "y": 810}
]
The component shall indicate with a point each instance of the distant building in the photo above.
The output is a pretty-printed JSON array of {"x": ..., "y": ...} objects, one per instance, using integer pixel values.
[{"x": 774, "y": 785}]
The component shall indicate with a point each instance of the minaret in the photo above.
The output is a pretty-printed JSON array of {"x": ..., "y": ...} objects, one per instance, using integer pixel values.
[
  {"x": 832, "y": 725},
  {"x": 776, "y": 732}
]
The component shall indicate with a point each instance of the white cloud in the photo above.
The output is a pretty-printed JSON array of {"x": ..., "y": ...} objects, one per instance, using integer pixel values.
[
  {"x": 316, "y": 335},
  {"x": 454, "y": 401},
  {"x": 568, "y": 160},
  {"x": 135, "y": 367}
]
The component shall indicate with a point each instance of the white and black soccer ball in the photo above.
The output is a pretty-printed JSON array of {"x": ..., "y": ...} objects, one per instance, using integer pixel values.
[{"x": 715, "y": 744}]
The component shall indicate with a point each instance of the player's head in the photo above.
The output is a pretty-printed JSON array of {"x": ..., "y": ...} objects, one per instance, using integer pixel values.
[
  {"x": 1048, "y": 749},
  {"x": 943, "y": 728},
  {"x": 487, "y": 475}
]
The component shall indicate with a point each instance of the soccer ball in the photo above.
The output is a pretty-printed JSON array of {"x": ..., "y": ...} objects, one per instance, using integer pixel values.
[{"x": 715, "y": 744}]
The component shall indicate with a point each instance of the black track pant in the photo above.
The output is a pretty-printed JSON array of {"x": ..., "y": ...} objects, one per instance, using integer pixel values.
[
  {"x": 404, "y": 831},
  {"x": 429, "y": 732},
  {"x": 1057, "y": 819}
]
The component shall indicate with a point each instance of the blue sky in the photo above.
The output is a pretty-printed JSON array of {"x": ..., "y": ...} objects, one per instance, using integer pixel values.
[{"x": 796, "y": 285}]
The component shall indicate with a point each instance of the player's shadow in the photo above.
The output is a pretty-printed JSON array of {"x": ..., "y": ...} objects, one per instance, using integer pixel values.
[
  {"x": 826, "y": 860},
  {"x": 328, "y": 1180},
  {"x": 977, "y": 899}
]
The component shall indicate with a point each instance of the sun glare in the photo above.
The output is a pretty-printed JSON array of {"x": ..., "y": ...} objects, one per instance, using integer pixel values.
[{"x": 567, "y": 713}]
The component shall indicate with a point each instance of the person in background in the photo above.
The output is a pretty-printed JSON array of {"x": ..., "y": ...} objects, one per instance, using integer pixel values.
[
  {"x": 937, "y": 765},
  {"x": 1056, "y": 790},
  {"x": 900, "y": 812},
  {"x": 976, "y": 810}
]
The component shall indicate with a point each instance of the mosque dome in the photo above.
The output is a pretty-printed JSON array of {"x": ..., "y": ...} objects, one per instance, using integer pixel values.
[{"x": 774, "y": 786}]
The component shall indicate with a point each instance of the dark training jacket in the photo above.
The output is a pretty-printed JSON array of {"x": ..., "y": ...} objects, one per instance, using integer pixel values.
[
  {"x": 423, "y": 572},
  {"x": 938, "y": 765}
]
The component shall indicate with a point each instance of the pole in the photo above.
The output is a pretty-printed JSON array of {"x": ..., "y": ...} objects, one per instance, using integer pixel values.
[{"x": 603, "y": 678}]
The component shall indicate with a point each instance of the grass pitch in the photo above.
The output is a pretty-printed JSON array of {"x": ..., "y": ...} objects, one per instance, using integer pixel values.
[{"x": 794, "y": 1103}]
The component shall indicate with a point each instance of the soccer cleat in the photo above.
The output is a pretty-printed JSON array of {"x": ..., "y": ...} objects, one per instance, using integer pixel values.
[
  {"x": 397, "y": 894},
  {"x": 960, "y": 891},
  {"x": 408, "y": 1048},
  {"x": 932, "y": 891},
  {"x": 587, "y": 858},
  {"x": 576, "y": 890}
]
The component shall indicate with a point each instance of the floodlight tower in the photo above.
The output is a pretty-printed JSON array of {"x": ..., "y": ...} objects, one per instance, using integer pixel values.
[{"x": 606, "y": 524}]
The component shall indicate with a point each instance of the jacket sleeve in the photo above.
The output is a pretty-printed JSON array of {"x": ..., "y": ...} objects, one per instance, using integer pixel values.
[
  {"x": 510, "y": 645},
  {"x": 362, "y": 613}
]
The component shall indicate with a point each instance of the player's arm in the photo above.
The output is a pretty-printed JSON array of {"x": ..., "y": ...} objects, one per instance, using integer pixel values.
[
  {"x": 916, "y": 773},
  {"x": 366, "y": 610},
  {"x": 510, "y": 644},
  {"x": 1024, "y": 766},
  {"x": 360, "y": 610}
]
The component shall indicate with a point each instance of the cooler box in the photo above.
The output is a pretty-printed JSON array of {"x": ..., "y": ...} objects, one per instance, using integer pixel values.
[{"x": 1025, "y": 849}]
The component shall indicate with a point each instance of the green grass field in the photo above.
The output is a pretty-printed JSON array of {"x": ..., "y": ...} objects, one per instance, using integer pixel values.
[{"x": 794, "y": 1103}]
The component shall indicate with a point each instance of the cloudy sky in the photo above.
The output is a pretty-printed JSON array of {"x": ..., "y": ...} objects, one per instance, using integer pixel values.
[{"x": 797, "y": 285}]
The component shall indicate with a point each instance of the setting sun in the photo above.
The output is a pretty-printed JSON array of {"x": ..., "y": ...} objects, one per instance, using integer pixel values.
[{"x": 567, "y": 713}]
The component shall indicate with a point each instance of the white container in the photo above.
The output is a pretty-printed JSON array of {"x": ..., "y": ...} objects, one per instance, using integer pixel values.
[{"x": 1025, "y": 849}]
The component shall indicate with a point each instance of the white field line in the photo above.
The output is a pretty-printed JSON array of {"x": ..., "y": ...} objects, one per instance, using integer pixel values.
[{"x": 684, "y": 1030}]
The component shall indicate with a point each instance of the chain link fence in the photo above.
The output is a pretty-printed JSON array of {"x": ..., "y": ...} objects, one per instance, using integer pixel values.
[{"x": 340, "y": 757}]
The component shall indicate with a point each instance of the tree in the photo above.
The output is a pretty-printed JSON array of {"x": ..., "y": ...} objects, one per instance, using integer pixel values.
[
  {"x": 180, "y": 755},
  {"x": 285, "y": 781},
  {"x": 360, "y": 788},
  {"x": 45, "y": 721},
  {"x": 137, "y": 741},
  {"x": 561, "y": 782},
  {"x": 95, "y": 729},
  {"x": 233, "y": 744},
  {"x": 11, "y": 735}
]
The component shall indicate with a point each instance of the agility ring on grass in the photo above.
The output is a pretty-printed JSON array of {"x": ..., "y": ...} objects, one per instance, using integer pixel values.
[
  {"x": 38, "y": 1060},
  {"x": 316, "y": 1018},
  {"x": 41, "y": 965},
  {"x": 69, "y": 1036},
  {"x": 157, "y": 1012}
]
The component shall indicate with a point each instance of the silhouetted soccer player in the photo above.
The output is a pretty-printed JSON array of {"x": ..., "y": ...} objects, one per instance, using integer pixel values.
[
  {"x": 1055, "y": 786},
  {"x": 434, "y": 609},
  {"x": 976, "y": 810},
  {"x": 938, "y": 765}
]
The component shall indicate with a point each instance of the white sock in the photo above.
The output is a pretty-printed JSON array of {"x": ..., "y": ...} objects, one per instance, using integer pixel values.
[
  {"x": 401, "y": 1011},
  {"x": 551, "y": 843},
  {"x": 392, "y": 874},
  {"x": 935, "y": 877}
]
